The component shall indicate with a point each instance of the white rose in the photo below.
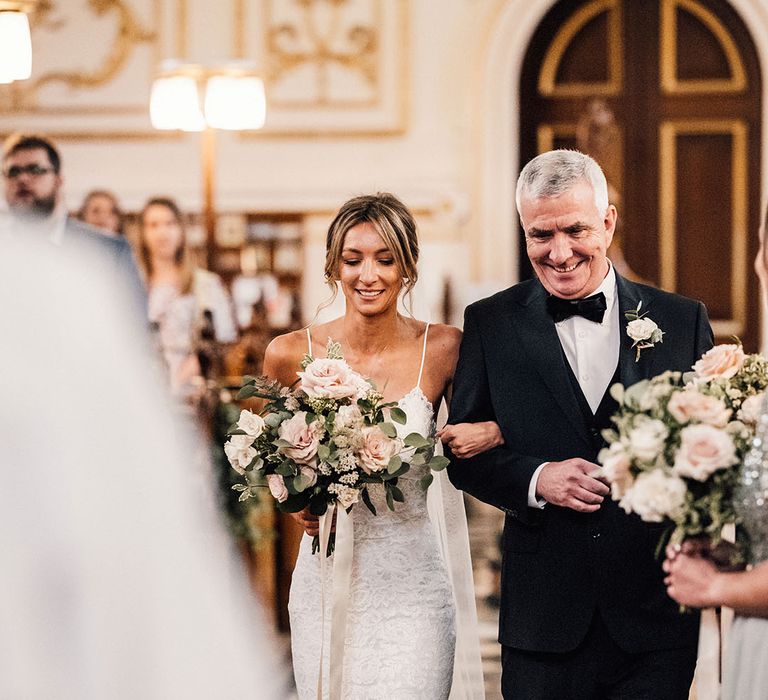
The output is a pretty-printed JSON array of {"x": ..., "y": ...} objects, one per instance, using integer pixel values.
[
  {"x": 646, "y": 440},
  {"x": 240, "y": 452},
  {"x": 377, "y": 449},
  {"x": 721, "y": 361},
  {"x": 332, "y": 379},
  {"x": 654, "y": 496},
  {"x": 642, "y": 329},
  {"x": 304, "y": 438},
  {"x": 252, "y": 423},
  {"x": 277, "y": 487},
  {"x": 692, "y": 405},
  {"x": 703, "y": 450},
  {"x": 347, "y": 496},
  {"x": 348, "y": 417},
  {"x": 616, "y": 463},
  {"x": 751, "y": 409}
]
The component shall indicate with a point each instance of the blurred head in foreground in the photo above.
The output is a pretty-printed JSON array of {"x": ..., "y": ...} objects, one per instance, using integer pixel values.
[{"x": 114, "y": 577}]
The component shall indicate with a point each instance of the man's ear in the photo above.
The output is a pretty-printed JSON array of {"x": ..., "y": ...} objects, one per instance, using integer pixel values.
[{"x": 611, "y": 217}]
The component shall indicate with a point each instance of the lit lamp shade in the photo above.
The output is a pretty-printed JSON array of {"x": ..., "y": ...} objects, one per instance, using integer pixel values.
[
  {"x": 175, "y": 104},
  {"x": 15, "y": 47},
  {"x": 235, "y": 102}
]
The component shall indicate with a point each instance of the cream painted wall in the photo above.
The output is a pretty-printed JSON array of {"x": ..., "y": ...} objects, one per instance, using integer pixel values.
[{"x": 455, "y": 163}]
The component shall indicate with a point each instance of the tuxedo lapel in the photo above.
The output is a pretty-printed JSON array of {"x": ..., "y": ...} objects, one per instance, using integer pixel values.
[
  {"x": 631, "y": 370},
  {"x": 536, "y": 334}
]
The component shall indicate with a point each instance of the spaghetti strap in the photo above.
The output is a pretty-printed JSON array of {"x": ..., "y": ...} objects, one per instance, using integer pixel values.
[
  {"x": 423, "y": 355},
  {"x": 309, "y": 343}
]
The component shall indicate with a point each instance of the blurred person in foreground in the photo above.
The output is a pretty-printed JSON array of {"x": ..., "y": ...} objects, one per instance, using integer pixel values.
[
  {"x": 101, "y": 210},
  {"x": 33, "y": 179},
  {"x": 693, "y": 579},
  {"x": 113, "y": 580},
  {"x": 185, "y": 302}
]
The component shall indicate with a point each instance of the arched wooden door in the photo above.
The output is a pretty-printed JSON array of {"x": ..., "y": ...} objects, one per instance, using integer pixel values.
[{"x": 677, "y": 128}]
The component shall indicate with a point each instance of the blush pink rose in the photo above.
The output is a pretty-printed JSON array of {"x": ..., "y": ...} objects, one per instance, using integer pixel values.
[
  {"x": 332, "y": 379},
  {"x": 377, "y": 449},
  {"x": 721, "y": 361},
  {"x": 304, "y": 438},
  {"x": 703, "y": 450},
  {"x": 691, "y": 405},
  {"x": 751, "y": 408},
  {"x": 277, "y": 487}
]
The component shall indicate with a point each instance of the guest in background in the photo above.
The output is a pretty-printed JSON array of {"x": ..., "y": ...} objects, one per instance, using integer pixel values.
[
  {"x": 32, "y": 171},
  {"x": 185, "y": 302},
  {"x": 101, "y": 209}
]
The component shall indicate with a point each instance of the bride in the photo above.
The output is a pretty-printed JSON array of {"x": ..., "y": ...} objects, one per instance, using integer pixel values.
[{"x": 411, "y": 623}]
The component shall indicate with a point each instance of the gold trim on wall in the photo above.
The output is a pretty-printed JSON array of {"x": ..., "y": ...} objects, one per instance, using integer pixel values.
[
  {"x": 575, "y": 23},
  {"x": 547, "y": 133},
  {"x": 668, "y": 51},
  {"x": 668, "y": 133}
]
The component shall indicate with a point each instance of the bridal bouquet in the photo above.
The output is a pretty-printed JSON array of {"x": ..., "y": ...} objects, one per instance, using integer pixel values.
[
  {"x": 324, "y": 441},
  {"x": 678, "y": 441}
]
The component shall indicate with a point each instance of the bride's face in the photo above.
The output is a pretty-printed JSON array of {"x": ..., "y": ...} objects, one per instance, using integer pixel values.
[{"x": 370, "y": 278}]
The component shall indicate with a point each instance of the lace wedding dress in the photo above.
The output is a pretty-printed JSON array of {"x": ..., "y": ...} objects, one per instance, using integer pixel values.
[{"x": 411, "y": 589}]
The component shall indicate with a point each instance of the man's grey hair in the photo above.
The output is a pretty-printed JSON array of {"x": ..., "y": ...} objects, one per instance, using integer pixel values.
[{"x": 555, "y": 172}]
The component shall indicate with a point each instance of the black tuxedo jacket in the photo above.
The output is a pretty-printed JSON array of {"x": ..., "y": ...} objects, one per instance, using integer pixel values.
[{"x": 560, "y": 566}]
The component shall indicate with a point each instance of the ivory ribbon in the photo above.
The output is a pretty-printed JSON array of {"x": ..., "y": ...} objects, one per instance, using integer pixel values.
[
  {"x": 713, "y": 641},
  {"x": 341, "y": 578}
]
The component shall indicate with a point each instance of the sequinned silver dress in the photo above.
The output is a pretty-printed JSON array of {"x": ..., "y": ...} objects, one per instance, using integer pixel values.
[{"x": 745, "y": 674}]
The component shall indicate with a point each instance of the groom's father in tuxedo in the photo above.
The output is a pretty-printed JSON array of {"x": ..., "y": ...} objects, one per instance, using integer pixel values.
[{"x": 584, "y": 613}]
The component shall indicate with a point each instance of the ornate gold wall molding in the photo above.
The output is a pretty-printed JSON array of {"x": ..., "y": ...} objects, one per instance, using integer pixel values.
[
  {"x": 668, "y": 51},
  {"x": 668, "y": 178},
  {"x": 548, "y": 84}
]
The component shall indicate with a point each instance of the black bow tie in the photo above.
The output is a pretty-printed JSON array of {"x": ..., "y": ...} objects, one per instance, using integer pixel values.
[{"x": 592, "y": 308}]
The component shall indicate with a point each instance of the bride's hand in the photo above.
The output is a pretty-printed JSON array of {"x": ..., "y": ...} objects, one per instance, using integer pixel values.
[
  {"x": 310, "y": 522},
  {"x": 467, "y": 440}
]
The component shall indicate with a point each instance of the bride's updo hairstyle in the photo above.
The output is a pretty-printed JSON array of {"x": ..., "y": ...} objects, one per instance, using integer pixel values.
[{"x": 392, "y": 221}]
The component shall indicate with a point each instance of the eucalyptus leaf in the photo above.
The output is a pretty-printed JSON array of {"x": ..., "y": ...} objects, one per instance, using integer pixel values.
[
  {"x": 247, "y": 392},
  {"x": 367, "y": 500},
  {"x": 398, "y": 415},
  {"x": 416, "y": 440},
  {"x": 302, "y": 482},
  {"x": 418, "y": 459},
  {"x": 272, "y": 420},
  {"x": 388, "y": 429},
  {"x": 438, "y": 462},
  {"x": 390, "y": 500},
  {"x": 310, "y": 418},
  {"x": 234, "y": 430},
  {"x": 323, "y": 452},
  {"x": 426, "y": 480},
  {"x": 394, "y": 464},
  {"x": 397, "y": 494},
  {"x": 282, "y": 443},
  {"x": 285, "y": 469}
]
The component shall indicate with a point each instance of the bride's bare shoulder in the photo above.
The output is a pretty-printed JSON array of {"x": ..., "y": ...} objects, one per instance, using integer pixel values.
[
  {"x": 443, "y": 339},
  {"x": 283, "y": 355}
]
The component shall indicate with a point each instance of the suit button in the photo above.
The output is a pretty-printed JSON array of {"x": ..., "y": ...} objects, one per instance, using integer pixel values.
[
  {"x": 595, "y": 432},
  {"x": 595, "y": 533}
]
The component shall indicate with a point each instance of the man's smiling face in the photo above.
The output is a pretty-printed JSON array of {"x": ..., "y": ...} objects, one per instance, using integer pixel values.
[{"x": 567, "y": 239}]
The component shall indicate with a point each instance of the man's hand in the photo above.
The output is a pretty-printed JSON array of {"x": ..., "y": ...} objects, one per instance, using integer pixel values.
[{"x": 573, "y": 483}]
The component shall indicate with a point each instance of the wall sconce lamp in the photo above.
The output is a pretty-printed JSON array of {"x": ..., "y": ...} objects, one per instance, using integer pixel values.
[{"x": 15, "y": 40}]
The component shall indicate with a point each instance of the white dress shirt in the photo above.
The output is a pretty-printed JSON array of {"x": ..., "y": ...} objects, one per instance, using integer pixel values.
[{"x": 592, "y": 350}]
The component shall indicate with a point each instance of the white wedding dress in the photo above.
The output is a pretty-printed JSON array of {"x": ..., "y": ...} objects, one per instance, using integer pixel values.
[{"x": 411, "y": 588}]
